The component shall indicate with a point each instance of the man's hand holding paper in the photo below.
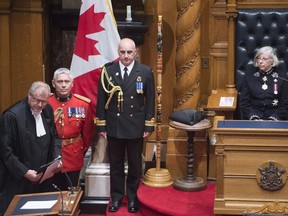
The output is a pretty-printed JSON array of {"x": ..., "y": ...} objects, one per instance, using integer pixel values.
[{"x": 50, "y": 169}]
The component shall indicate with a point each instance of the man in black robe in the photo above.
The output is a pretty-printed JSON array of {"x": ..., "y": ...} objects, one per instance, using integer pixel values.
[{"x": 28, "y": 139}]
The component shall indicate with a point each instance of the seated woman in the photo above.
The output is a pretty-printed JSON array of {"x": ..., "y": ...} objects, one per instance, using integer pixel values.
[{"x": 264, "y": 93}]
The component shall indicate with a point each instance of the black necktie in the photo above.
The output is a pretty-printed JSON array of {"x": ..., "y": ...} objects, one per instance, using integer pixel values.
[{"x": 125, "y": 74}]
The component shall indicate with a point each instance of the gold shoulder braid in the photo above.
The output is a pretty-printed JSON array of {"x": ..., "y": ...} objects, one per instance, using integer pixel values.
[
  {"x": 82, "y": 98},
  {"x": 112, "y": 91}
]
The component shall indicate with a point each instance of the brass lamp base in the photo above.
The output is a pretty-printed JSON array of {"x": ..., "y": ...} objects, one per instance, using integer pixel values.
[{"x": 157, "y": 178}]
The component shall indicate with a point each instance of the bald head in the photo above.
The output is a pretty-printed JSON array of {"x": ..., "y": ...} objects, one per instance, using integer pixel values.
[{"x": 126, "y": 42}]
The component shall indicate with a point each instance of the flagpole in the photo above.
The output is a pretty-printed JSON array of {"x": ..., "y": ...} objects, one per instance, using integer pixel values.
[{"x": 158, "y": 177}]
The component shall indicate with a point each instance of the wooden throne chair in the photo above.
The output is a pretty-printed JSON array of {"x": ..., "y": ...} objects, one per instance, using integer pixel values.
[{"x": 256, "y": 28}]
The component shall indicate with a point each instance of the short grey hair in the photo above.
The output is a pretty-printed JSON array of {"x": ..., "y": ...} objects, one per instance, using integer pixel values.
[
  {"x": 60, "y": 71},
  {"x": 45, "y": 88},
  {"x": 272, "y": 54}
]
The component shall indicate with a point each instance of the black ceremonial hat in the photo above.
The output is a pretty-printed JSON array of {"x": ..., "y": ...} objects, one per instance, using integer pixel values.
[{"x": 187, "y": 116}]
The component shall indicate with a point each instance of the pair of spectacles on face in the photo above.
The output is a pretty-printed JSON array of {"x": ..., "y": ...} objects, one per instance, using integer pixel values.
[
  {"x": 37, "y": 100},
  {"x": 263, "y": 59}
]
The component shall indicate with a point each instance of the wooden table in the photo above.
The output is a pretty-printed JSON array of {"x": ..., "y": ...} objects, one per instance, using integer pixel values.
[{"x": 190, "y": 182}]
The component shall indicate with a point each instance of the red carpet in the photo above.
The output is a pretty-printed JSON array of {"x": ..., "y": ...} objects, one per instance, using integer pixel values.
[{"x": 171, "y": 202}]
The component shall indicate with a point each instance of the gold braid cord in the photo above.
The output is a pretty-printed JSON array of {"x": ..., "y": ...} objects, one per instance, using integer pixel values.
[
  {"x": 112, "y": 91},
  {"x": 58, "y": 113}
]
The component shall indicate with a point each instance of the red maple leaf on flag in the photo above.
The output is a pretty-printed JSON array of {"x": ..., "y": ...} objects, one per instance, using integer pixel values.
[
  {"x": 89, "y": 23},
  {"x": 96, "y": 27}
]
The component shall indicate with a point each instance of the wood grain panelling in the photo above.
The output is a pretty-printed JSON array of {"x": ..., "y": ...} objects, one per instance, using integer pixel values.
[
  {"x": 262, "y": 4},
  {"x": 26, "y": 46},
  {"x": 21, "y": 50},
  {"x": 218, "y": 3},
  {"x": 218, "y": 27},
  {"x": 4, "y": 55},
  {"x": 205, "y": 53},
  {"x": 28, "y": 5}
]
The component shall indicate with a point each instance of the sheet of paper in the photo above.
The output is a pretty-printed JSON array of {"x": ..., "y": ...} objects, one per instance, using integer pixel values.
[
  {"x": 39, "y": 204},
  {"x": 226, "y": 101}
]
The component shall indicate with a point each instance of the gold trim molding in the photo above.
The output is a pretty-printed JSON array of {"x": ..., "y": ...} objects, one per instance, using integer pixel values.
[{"x": 271, "y": 208}]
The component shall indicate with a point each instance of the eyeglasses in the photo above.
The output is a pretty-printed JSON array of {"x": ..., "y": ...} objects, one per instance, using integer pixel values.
[
  {"x": 37, "y": 100},
  {"x": 129, "y": 52},
  {"x": 263, "y": 59}
]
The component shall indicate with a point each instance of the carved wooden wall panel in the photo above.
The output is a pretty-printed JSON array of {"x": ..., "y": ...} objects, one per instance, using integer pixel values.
[
  {"x": 26, "y": 47},
  {"x": 262, "y": 4},
  {"x": 4, "y": 55},
  {"x": 218, "y": 45}
]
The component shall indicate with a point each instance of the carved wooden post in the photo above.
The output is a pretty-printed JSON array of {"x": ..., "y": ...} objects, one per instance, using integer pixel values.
[
  {"x": 158, "y": 177},
  {"x": 188, "y": 61},
  {"x": 231, "y": 15}
]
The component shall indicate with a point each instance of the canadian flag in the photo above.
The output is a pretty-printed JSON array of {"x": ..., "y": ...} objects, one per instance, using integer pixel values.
[{"x": 96, "y": 44}]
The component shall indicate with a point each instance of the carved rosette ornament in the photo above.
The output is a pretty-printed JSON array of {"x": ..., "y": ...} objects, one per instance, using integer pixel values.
[{"x": 271, "y": 176}]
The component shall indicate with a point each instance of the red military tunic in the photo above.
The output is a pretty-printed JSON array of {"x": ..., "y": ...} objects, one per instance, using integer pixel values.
[{"x": 74, "y": 123}]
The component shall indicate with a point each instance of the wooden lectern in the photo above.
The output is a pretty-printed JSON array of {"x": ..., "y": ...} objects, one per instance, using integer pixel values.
[
  {"x": 70, "y": 204},
  {"x": 252, "y": 165}
]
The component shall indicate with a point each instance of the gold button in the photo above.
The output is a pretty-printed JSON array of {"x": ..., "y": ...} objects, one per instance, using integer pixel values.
[
  {"x": 132, "y": 97},
  {"x": 132, "y": 106},
  {"x": 118, "y": 114}
]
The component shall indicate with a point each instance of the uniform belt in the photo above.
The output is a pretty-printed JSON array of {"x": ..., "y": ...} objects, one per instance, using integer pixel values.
[{"x": 65, "y": 142}]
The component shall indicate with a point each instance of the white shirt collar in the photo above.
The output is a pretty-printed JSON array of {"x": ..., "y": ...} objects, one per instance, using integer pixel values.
[{"x": 129, "y": 67}]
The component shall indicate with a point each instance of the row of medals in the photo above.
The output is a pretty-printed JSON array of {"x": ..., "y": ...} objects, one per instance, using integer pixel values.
[
  {"x": 78, "y": 112},
  {"x": 265, "y": 86}
]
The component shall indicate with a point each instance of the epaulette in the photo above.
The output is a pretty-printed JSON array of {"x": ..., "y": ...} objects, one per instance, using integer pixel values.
[
  {"x": 82, "y": 98},
  {"x": 107, "y": 64}
]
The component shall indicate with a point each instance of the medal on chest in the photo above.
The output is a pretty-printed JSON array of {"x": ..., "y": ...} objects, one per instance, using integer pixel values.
[
  {"x": 275, "y": 84},
  {"x": 139, "y": 85},
  {"x": 264, "y": 86},
  {"x": 275, "y": 88},
  {"x": 78, "y": 112}
]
